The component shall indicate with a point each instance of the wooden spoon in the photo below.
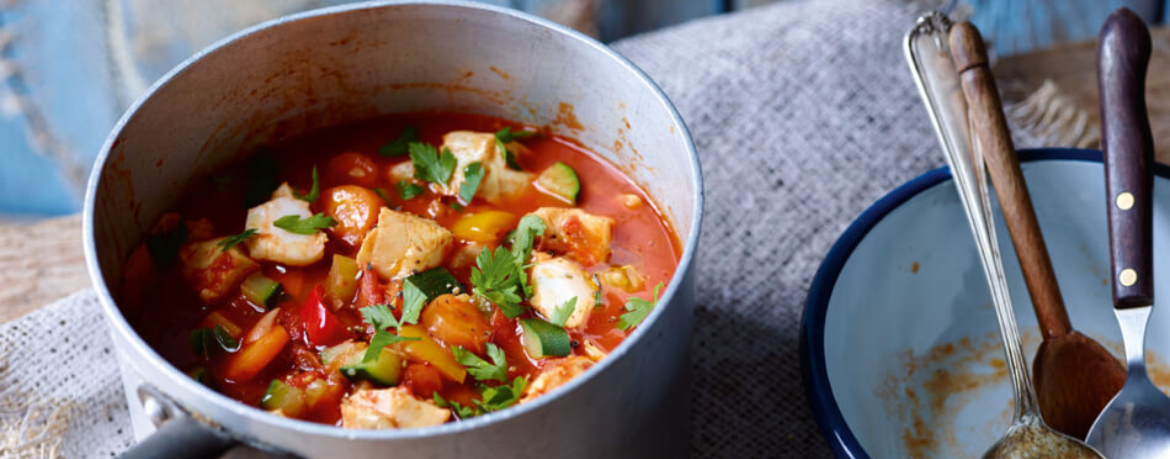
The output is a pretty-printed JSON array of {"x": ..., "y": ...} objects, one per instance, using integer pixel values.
[{"x": 1075, "y": 377}]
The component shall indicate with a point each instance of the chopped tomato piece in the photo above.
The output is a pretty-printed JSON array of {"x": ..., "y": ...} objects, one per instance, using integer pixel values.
[
  {"x": 354, "y": 168},
  {"x": 322, "y": 328},
  {"x": 255, "y": 356},
  {"x": 422, "y": 380}
]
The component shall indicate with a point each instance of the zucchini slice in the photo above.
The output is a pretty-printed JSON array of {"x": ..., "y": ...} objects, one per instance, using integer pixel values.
[
  {"x": 386, "y": 370},
  {"x": 542, "y": 339},
  {"x": 435, "y": 282},
  {"x": 561, "y": 181},
  {"x": 283, "y": 397},
  {"x": 261, "y": 290}
]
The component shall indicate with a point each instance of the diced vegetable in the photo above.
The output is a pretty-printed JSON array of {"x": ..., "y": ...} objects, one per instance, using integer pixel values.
[
  {"x": 254, "y": 356},
  {"x": 323, "y": 392},
  {"x": 626, "y": 278},
  {"x": 422, "y": 380},
  {"x": 456, "y": 321},
  {"x": 560, "y": 181},
  {"x": 262, "y": 326},
  {"x": 216, "y": 318},
  {"x": 386, "y": 370},
  {"x": 425, "y": 349},
  {"x": 283, "y": 397},
  {"x": 354, "y": 208},
  {"x": 435, "y": 282},
  {"x": 261, "y": 290},
  {"x": 322, "y": 328},
  {"x": 542, "y": 339},
  {"x": 329, "y": 354},
  {"x": 342, "y": 281},
  {"x": 486, "y": 226}
]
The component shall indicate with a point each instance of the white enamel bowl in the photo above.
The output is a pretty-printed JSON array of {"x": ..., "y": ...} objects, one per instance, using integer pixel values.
[{"x": 900, "y": 345}]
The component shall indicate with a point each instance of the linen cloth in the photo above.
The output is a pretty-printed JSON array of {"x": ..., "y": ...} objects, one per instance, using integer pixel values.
[{"x": 804, "y": 113}]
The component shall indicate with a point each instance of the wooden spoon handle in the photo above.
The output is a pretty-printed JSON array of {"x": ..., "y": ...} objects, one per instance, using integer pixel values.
[
  {"x": 1000, "y": 155},
  {"x": 1123, "y": 55}
]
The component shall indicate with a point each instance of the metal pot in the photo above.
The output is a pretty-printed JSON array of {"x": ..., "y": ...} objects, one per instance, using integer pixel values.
[{"x": 331, "y": 66}]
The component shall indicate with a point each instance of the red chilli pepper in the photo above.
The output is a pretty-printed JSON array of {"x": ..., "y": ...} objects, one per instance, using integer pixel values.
[{"x": 321, "y": 327}]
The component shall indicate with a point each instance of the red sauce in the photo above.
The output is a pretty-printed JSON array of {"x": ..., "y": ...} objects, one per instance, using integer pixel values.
[{"x": 169, "y": 310}]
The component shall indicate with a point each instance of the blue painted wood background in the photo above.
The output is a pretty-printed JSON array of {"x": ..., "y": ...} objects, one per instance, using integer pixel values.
[{"x": 55, "y": 62}]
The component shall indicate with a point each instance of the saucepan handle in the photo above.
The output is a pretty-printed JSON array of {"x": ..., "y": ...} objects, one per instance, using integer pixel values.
[
  {"x": 1123, "y": 55},
  {"x": 182, "y": 438}
]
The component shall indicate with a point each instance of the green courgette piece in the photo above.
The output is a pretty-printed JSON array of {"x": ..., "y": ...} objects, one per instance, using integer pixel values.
[
  {"x": 542, "y": 339},
  {"x": 435, "y": 282},
  {"x": 386, "y": 370},
  {"x": 284, "y": 397},
  {"x": 332, "y": 352},
  {"x": 261, "y": 290},
  {"x": 560, "y": 180}
]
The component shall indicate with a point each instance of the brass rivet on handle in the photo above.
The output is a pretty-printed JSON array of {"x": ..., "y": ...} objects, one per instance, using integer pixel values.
[
  {"x": 1125, "y": 200},
  {"x": 1128, "y": 277}
]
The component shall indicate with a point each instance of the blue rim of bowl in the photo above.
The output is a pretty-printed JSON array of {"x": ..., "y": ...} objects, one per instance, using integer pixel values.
[{"x": 818, "y": 389}]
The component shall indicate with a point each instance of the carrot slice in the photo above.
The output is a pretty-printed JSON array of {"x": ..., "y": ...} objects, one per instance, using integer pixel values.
[{"x": 257, "y": 355}]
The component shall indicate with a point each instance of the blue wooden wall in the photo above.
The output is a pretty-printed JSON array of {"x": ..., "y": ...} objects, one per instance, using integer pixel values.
[{"x": 55, "y": 62}]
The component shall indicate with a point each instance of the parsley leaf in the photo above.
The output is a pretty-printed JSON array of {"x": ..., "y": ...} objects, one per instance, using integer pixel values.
[
  {"x": 529, "y": 228},
  {"x": 431, "y": 166},
  {"x": 562, "y": 313},
  {"x": 231, "y": 241},
  {"x": 638, "y": 310},
  {"x": 296, "y": 225},
  {"x": 164, "y": 246},
  {"x": 400, "y": 146},
  {"x": 463, "y": 412},
  {"x": 510, "y": 160},
  {"x": 314, "y": 192},
  {"x": 408, "y": 190},
  {"x": 382, "y": 318},
  {"x": 502, "y": 396},
  {"x": 413, "y": 301},
  {"x": 507, "y": 135},
  {"x": 382, "y": 194},
  {"x": 480, "y": 368},
  {"x": 380, "y": 340},
  {"x": 472, "y": 175},
  {"x": 494, "y": 279}
]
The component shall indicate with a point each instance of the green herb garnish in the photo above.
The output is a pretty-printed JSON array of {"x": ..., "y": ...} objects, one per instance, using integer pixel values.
[
  {"x": 314, "y": 192},
  {"x": 295, "y": 224},
  {"x": 231, "y": 241},
  {"x": 430, "y": 165},
  {"x": 562, "y": 313},
  {"x": 408, "y": 190},
  {"x": 495, "y": 279},
  {"x": 462, "y": 412},
  {"x": 480, "y": 369},
  {"x": 638, "y": 310},
  {"x": 502, "y": 396},
  {"x": 382, "y": 318},
  {"x": 401, "y": 145},
  {"x": 507, "y": 135},
  {"x": 472, "y": 175},
  {"x": 205, "y": 340}
]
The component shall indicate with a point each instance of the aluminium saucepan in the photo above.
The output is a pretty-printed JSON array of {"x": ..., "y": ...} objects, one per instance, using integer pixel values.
[{"x": 336, "y": 65}]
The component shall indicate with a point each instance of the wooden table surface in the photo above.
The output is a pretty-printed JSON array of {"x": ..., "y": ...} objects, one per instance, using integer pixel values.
[{"x": 43, "y": 261}]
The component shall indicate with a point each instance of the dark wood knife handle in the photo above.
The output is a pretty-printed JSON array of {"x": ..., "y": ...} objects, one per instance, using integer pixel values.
[
  {"x": 990, "y": 126},
  {"x": 1123, "y": 56}
]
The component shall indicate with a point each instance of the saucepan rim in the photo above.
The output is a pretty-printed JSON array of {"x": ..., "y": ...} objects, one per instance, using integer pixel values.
[{"x": 140, "y": 349}]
